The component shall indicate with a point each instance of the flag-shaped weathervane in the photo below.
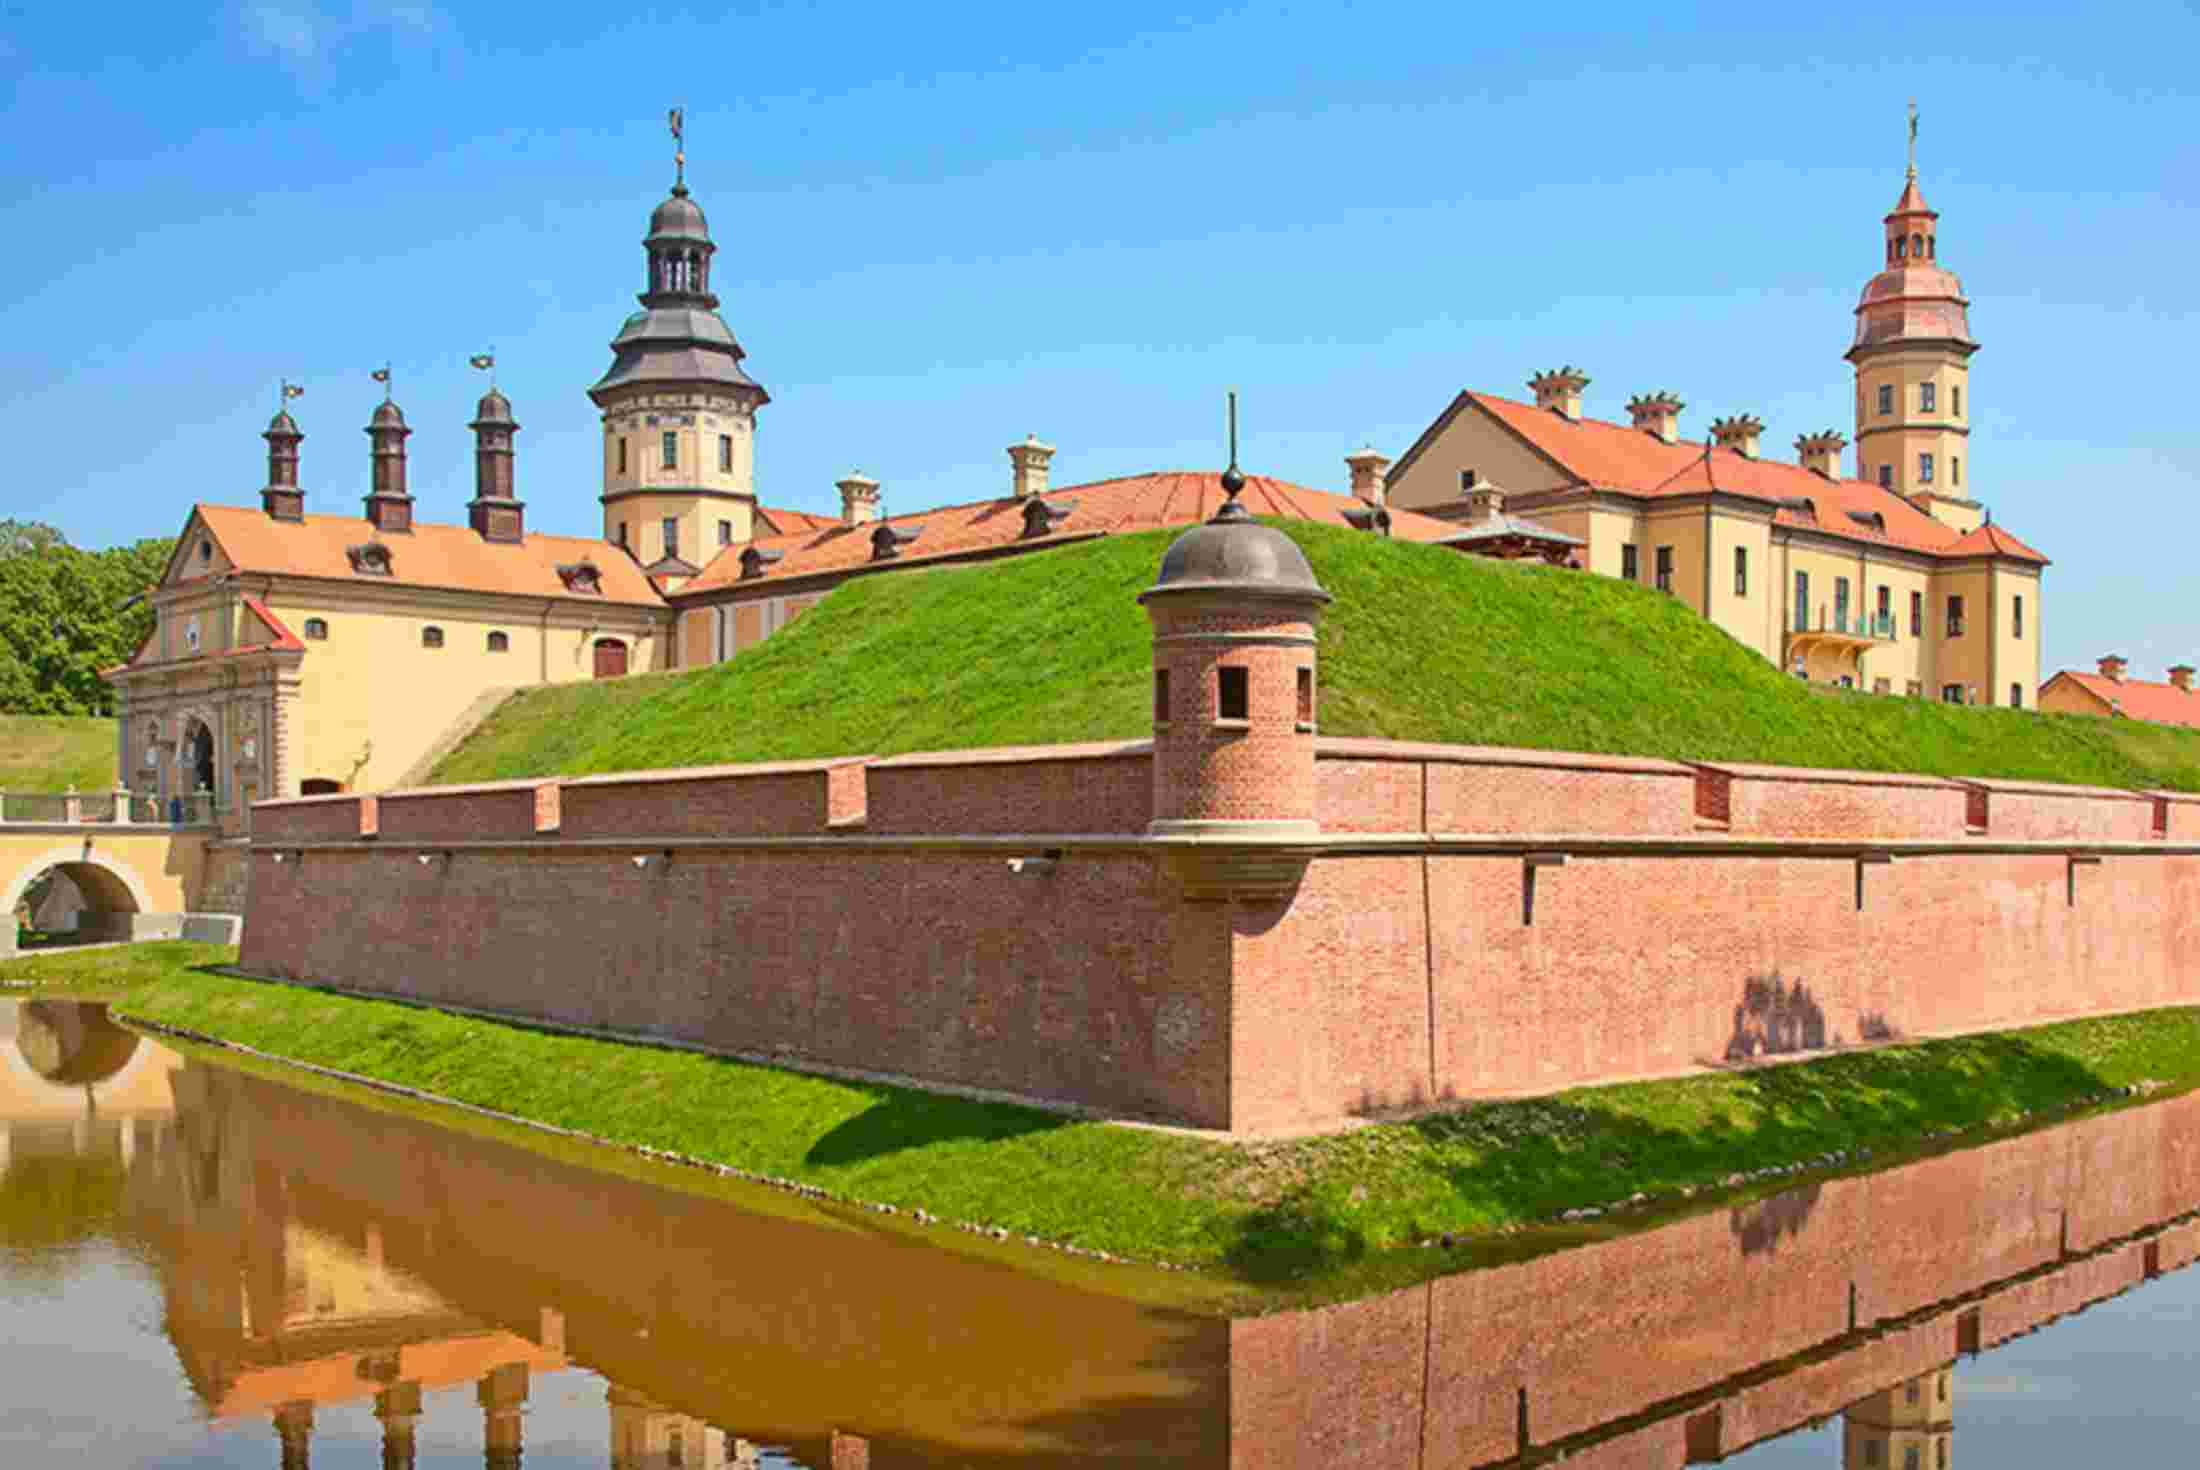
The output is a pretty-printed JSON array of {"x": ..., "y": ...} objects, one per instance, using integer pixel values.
[
  {"x": 382, "y": 375},
  {"x": 290, "y": 390},
  {"x": 486, "y": 362}
]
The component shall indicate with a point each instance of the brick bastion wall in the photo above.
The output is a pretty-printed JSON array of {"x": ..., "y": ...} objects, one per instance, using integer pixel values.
[{"x": 1465, "y": 922}]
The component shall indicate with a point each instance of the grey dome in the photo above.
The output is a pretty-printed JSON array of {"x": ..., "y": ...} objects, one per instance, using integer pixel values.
[
  {"x": 283, "y": 424},
  {"x": 678, "y": 218},
  {"x": 1236, "y": 554},
  {"x": 387, "y": 416}
]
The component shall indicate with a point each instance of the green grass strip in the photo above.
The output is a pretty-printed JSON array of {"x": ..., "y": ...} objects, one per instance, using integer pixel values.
[{"x": 1265, "y": 1214}]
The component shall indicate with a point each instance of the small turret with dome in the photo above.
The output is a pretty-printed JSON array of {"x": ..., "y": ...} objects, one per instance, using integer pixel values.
[
  {"x": 495, "y": 512},
  {"x": 1234, "y": 610},
  {"x": 280, "y": 497},
  {"x": 679, "y": 410},
  {"x": 1912, "y": 352}
]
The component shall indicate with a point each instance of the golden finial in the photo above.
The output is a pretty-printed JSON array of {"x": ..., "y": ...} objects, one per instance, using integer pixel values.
[{"x": 1913, "y": 137}]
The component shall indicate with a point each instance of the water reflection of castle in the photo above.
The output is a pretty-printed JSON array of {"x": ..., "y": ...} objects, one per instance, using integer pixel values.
[{"x": 316, "y": 1256}]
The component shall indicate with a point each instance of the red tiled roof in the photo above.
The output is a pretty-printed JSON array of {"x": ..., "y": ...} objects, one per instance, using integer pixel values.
[
  {"x": 1614, "y": 457},
  {"x": 788, "y": 522},
  {"x": 1134, "y": 503},
  {"x": 429, "y": 556},
  {"x": 2139, "y": 699},
  {"x": 278, "y": 636}
]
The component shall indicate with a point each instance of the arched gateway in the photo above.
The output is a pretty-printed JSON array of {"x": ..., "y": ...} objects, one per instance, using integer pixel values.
[{"x": 111, "y": 888}]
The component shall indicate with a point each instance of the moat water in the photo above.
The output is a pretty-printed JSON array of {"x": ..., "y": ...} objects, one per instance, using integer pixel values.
[{"x": 204, "y": 1266}]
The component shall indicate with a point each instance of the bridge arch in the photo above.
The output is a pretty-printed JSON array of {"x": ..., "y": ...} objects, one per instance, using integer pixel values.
[{"x": 108, "y": 884}]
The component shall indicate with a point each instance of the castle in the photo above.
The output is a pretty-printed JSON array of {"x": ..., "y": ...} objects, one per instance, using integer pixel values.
[{"x": 302, "y": 653}]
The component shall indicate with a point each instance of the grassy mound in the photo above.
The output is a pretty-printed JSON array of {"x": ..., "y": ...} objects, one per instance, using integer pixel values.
[
  {"x": 1422, "y": 643},
  {"x": 55, "y": 752}
]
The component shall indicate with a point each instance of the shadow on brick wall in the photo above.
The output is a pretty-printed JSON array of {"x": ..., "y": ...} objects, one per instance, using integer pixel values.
[{"x": 1776, "y": 1019}]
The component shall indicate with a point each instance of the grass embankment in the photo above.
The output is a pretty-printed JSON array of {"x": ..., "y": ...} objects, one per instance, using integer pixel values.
[
  {"x": 1422, "y": 643},
  {"x": 55, "y": 752},
  {"x": 1265, "y": 1214}
]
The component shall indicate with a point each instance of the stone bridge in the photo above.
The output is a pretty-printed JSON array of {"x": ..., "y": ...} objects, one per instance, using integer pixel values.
[{"x": 138, "y": 879}]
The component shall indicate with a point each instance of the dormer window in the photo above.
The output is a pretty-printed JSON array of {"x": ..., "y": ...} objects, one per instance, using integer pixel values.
[
  {"x": 206, "y": 552},
  {"x": 1370, "y": 517},
  {"x": 370, "y": 560},
  {"x": 1041, "y": 515},
  {"x": 582, "y": 578},
  {"x": 754, "y": 561},
  {"x": 887, "y": 541}
]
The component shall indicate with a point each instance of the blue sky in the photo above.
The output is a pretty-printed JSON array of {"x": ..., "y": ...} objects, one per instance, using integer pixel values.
[{"x": 942, "y": 228}]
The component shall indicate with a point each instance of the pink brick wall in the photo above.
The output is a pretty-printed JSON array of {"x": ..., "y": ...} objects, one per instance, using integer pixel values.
[
  {"x": 1398, "y": 786},
  {"x": 1086, "y": 985},
  {"x": 1048, "y": 789},
  {"x": 723, "y": 801},
  {"x": 1781, "y": 801},
  {"x": 306, "y": 819},
  {"x": 2025, "y": 811},
  {"x": 459, "y": 813},
  {"x": 2176, "y": 815}
]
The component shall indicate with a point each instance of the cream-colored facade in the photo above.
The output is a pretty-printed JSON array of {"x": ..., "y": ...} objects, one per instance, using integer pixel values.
[{"x": 1894, "y": 582}]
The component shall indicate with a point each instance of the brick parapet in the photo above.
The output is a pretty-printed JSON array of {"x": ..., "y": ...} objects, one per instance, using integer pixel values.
[
  {"x": 1797, "y": 801},
  {"x": 2042, "y": 811},
  {"x": 764, "y": 799},
  {"x": 1404, "y": 786},
  {"x": 1095, "y": 788}
]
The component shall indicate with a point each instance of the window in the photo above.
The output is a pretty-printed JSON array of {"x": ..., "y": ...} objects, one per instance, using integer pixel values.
[
  {"x": 1909, "y": 1457},
  {"x": 619, "y": 533},
  {"x": 1466, "y": 481},
  {"x": 431, "y": 637},
  {"x": 1741, "y": 571},
  {"x": 672, "y": 451},
  {"x": 1955, "y": 617},
  {"x": 1841, "y": 603},
  {"x": 1233, "y": 694},
  {"x": 1630, "y": 563},
  {"x": 317, "y": 629},
  {"x": 1802, "y": 600},
  {"x": 191, "y": 635},
  {"x": 1306, "y": 697},
  {"x": 2016, "y": 619},
  {"x": 622, "y": 456},
  {"x": 671, "y": 527},
  {"x": 2016, "y": 696},
  {"x": 1885, "y": 625},
  {"x": 1910, "y": 1392},
  {"x": 1925, "y": 468},
  {"x": 1882, "y": 686},
  {"x": 1955, "y": 402},
  {"x": 1917, "y": 614},
  {"x": 1161, "y": 696},
  {"x": 725, "y": 454},
  {"x": 500, "y": 643},
  {"x": 1665, "y": 569},
  {"x": 725, "y": 533},
  {"x": 1926, "y": 393},
  {"x": 1873, "y": 1449},
  {"x": 1886, "y": 398},
  {"x": 1951, "y": 694},
  {"x": 206, "y": 551},
  {"x": 1955, "y": 469},
  {"x": 1886, "y": 476}
]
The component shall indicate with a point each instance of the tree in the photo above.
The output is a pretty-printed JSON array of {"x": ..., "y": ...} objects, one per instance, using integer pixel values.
[{"x": 63, "y": 617}]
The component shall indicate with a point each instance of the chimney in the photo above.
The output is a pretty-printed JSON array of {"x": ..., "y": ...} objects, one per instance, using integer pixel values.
[
  {"x": 1658, "y": 414},
  {"x": 1485, "y": 502},
  {"x": 1739, "y": 433},
  {"x": 493, "y": 512},
  {"x": 858, "y": 499},
  {"x": 389, "y": 504},
  {"x": 1030, "y": 460},
  {"x": 2180, "y": 677},
  {"x": 1560, "y": 391},
  {"x": 1366, "y": 466},
  {"x": 2112, "y": 666},
  {"x": 282, "y": 499},
  {"x": 1821, "y": 452}
]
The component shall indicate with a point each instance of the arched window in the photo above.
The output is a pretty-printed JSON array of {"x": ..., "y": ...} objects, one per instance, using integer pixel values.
[
  {"x": 431, "y": 637},
  {"x": 1901, "y": 247},
  {"x": 317, "y": 629},
  {"x": 500, "y": 643},
  {"x": 1917, "y": 246}
]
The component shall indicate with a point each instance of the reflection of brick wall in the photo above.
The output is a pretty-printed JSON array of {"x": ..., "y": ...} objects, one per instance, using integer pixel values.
[
  {"x": 1393, "y": 974},
  {"x": 1578, "y": 1341}
]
